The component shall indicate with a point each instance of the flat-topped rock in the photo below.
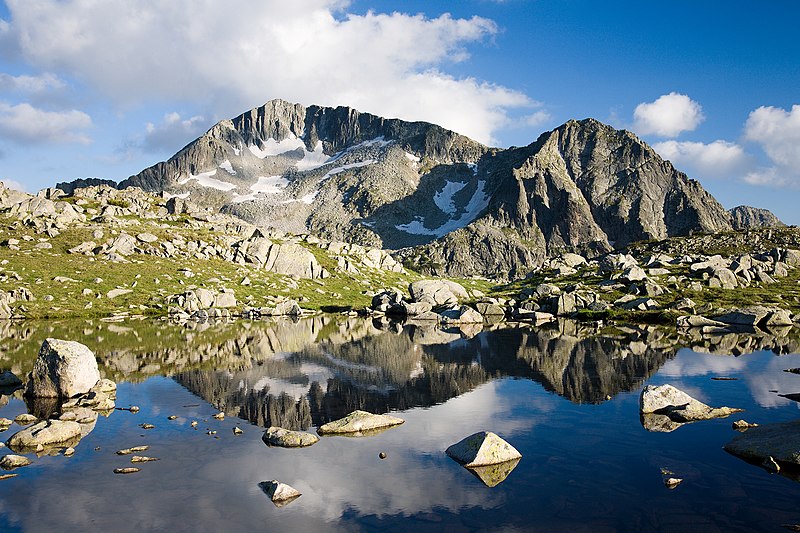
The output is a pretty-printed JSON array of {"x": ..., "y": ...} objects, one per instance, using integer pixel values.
[
  {"x": 46, "y": 433},
  {"x": 359, "y": 422},
  {"x": 781, "y": 441},
  {"x": 482, "y": 449},
  {"x": 9, "y": 462},
  {"x": 277, "y": 436}
]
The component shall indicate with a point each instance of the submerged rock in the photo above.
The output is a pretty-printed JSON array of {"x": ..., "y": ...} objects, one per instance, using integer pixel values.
[
  {"x": 63, "y": 369},
  {"x": 24, "y": 419},
  {"x": 781, "y": 441},
  {"x": 677, "y": 405},
  {"x": 46, "y": 433},
  {"x": 279, "y": 493},
  {"x": 481, "y": 449},
  {"x": 359, "y": 422},
  {"x": 276, "y": 436}
]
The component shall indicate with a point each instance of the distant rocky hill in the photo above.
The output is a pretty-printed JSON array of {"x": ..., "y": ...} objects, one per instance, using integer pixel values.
[
  {"x": 447, "y": 204},
  {"x": 744, "y": 217}
]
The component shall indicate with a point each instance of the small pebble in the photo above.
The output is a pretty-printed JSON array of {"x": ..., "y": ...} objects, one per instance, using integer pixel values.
[
  {"x": 194, "y": 423},
  {"x": 97, "y": 448},
  {"x": 237, "y": 431},
  {"x": 146, "y": 426},
  {"x": 7, "y": 476},
  {"x": 211, "y": 432},
  {"x": 219, "y": 416},
  {"x": 172, "y": 417},
  {"x": 142, "y": 459},
  {"x": 382, "y": 455},
  {"x": 133, "y": 408},
  {"x": 69, "y": 452},
  {"x": 128, "y": 470},
  {"x": 135, "y": 449},
  {"x": 672, "y": 482}
]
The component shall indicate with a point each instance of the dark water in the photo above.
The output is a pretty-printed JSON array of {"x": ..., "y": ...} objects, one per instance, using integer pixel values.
[{"x": 588, "y": 464}]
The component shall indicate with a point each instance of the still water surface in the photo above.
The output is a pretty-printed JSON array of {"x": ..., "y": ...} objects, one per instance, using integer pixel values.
[{"x": 565, "y": 396}]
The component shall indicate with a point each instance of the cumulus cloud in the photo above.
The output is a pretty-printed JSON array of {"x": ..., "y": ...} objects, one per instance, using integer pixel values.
[
  {"x": 667, "y": 116},
  {"x": 229, "y": 56},
  {"x": 172, "y": 132},
  {"x": 719, "y": 159},
  {"x": 23, "y": 123},
  {"x": 777, "y": 131}
]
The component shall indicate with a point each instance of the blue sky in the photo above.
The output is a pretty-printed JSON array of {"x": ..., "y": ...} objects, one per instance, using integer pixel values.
[{"x": 107, "y": 89}]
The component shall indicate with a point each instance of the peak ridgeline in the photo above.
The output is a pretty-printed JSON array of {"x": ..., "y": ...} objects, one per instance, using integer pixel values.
[{"x": 448, "y": 204}]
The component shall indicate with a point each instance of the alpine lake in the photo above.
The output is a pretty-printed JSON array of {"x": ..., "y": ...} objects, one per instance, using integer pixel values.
[{"x": 565, "y": 394}]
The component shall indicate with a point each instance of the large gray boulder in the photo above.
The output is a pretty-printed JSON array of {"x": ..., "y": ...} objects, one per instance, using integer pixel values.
[
  {"x": 677, "y": 405},
  {"x": 63, "y": 369},
  {"x": 46, "y": 433},
  {"x": 437, "y": 292},
  {"x": 781, "y": 441},
  {"x": 748, "y": 316}
]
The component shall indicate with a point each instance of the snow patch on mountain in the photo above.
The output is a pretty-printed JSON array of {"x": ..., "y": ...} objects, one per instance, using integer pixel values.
[
  {"x": 444, "y": 198},
  {"x": 264, "y": 185},
  {"x": 476, "y": 204},
  {"x": 206, "y": 180},
  {"x": 315, "y": 159},
  {"x": 271, "y": 147},
  {"x": 227, "y": 167}
]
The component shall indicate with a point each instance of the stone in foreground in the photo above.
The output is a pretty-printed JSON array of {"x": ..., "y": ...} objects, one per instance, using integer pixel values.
[
  {"x": 482, "y": 449},
  {"x": 359, "y": 422},
  {"x": 9, "y": 462},
  {"x": 276, "y": 436},
  {"x": 63, "y": 369},
  {"x": 279, "y": 493},
  {"x": 780, "y": 441},
  {"x": 677, "y": 405},
  {"x": 46, "y": 433}
]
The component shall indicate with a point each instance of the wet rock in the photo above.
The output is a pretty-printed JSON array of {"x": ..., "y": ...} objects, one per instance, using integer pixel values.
[
  {"x": 781, "y": 441},
  {"x": 46, "y": 433},
  {"x": 105, "y": 385},
  {"x": 62, "y": 369},
  {"x": 359, "y": 422},
  {"x": 7, "y": 476},
  {"x": 11, "y": 461},
  {"x": 677, "y": 405},
  {"x": 128, "y": 470},
  {"x": 69, "y": 452},
  {"x": 740, "y": 425},
  {"x": 135, "y": 449},
  {"x": 237, "y": 430},
  {"x": 481, "y": 449},
  {"x": 219, "y": 416},
  {"x": 276, "y": 436},
  {"x": 770, "y": 465},
  {"x": 672, "y": 482},
  {"x": 143, "y": 459},
  {"x": 279, "y": 493}
]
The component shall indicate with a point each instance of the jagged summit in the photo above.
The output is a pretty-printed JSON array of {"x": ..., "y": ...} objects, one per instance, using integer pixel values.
[{"x": 453, "y": 205}]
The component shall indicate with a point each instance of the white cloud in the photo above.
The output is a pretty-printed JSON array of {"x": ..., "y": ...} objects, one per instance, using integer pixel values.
[
  {"x": 668, "y": 116},
  {"x": 172, "y": 133},
  {"x": 719, "y": 159},
  {"x": 30, "y": 84},
  {"x": 777, "y": 131},
  {"x": 23, "y": 123},
  {"x": 229, "y": 56}
]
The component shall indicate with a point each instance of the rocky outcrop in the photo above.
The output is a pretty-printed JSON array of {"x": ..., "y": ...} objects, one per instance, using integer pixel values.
[
  {"x": 745, "y": 217},
  {"x": 63, "y": 369},
  {"x": 46, "y": 433},
  {"x": 482, "y": 449},
  {"x": 779, "y": 441},
  {"x": 675, "y": 405}
]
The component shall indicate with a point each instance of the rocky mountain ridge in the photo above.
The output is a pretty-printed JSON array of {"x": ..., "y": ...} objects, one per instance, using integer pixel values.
[{"x": 449, "y": 205}]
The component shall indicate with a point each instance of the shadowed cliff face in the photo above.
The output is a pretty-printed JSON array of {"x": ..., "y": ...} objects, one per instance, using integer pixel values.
[{"x": 454, "y": 206}]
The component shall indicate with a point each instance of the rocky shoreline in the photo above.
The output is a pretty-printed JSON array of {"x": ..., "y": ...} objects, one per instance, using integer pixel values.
[{"x": 110, "y": 253}]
